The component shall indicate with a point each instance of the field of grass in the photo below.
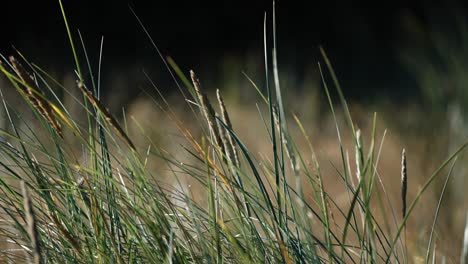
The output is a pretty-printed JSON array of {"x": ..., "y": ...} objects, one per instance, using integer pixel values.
[{"x": 198, "y": 179}]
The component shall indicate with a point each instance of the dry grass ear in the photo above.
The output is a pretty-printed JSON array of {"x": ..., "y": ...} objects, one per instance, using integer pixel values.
[
  {"x": 404, "y": 182},
  {"x": 208, "y": 111},
  {"x": 106, "y": 114},
  {"x": 31, "y": 225},
  {"x": 230, "y": 145},
  {"x": 42, "y": 106}
]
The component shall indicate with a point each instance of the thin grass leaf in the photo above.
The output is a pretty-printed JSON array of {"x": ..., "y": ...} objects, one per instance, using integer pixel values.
[
  {"x": 464, "y": 253},
  {"x": 436, "y": 215}
]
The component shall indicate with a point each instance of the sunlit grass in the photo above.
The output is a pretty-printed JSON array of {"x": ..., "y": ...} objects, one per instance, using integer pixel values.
[{"x": 100, "y": 204}]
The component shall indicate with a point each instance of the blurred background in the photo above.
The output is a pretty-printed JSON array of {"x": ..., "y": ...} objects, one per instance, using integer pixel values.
[
  {"x": 405, "y": 60},
  {"x": 365, "y": 40}
]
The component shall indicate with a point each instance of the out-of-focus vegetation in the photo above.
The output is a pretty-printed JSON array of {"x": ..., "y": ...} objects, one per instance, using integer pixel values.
[{"x": 436, "y": 55}]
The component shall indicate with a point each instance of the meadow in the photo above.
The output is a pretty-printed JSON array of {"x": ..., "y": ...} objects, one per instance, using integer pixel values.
[{"x": 200, "y": 177}]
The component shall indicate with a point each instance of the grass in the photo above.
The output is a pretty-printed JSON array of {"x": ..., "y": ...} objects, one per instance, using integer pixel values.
[{"x": 102, "y": 205}]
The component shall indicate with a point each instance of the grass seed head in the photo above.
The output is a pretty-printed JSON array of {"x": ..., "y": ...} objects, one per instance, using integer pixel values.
[
  {"x": 106, "y": 114},
  {"x": 208, "y": 111},
  {"x": 31, "y": 92},
  {"x": 230, "y": 146},
  {"x": 404, "y": 182}
]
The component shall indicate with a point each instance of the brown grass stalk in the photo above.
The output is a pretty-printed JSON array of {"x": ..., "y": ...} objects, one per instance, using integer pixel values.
[
  {"x": 42, "y": 106},
  {"x": 106, "y": 114},
  {"x": 230, "y": 145},
  {"x": 208, "y": 111},
  {"x": 31, "y": 225}
]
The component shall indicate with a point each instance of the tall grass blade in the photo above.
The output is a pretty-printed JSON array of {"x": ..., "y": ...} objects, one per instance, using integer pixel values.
[
  {"x": 431, "y": 236},
  {"x": 464, "y": 254}
]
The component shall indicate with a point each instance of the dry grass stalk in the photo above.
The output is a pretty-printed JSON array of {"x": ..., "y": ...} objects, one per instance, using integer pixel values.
[
  {"x": 31, "y": 225},
  {"x": 207, "y": 110},
  {"x": 224, "y": 139},
  {"x": 359, "y": 158},
  {"x": 42, "y": 106},
  {"x": 404, "y": 182},
  {"x": 230, "y": 145},
  {"x": 107, "y": 116},
  {"x": 358, "y": 166}
]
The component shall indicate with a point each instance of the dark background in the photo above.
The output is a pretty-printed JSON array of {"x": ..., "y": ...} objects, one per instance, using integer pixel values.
[{"x": 361, "y": 37}]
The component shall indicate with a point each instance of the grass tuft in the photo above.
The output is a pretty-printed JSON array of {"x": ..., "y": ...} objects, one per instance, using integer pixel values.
[{"x": 88, "y": 198}]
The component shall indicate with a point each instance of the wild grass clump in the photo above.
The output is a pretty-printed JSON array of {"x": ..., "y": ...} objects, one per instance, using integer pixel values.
[{"x": 100, "y": 204}]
